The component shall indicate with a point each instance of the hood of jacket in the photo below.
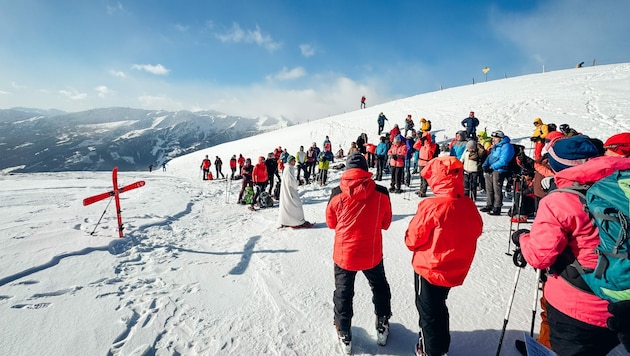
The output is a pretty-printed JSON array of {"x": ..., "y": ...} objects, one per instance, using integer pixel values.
[
  {"x": 357, "y": 183},
  {"x": 445, "y": 176},
  {"x": 591, "y": 171}
]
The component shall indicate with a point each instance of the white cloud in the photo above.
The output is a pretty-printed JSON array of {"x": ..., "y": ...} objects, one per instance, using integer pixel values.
[
  {"x": 307, "y": 50},
  {"x": 181, "y": 28},
  {"x": 117, "y": 73},
  {"x": 112, "y": 9},
  {"x": 102, "y": 91},
  {"x": 286, "y": 74},
  {"x": 2, "y": 92},
  {"x": 153, "y": 69},
  {"x": 237, "y": 35},
  {"x": 73, "y": 94}
]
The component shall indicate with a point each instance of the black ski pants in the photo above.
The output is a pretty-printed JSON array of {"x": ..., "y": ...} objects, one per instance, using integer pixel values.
[
  {"x": 344, "y": 292},
  {"x": 397, "y": 177},
  {"x": 380, "y": 165},
  {"x": 434, "y": 324},
  {"x": 570, "y": 336}
]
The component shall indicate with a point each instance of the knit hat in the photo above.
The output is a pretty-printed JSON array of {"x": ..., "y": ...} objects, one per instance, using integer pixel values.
[
  {"x": 619, "y": 143},
  {"x": 471, "y": 144},
  {"x": 571, "y": 152},
  {"x": 356, "y": 160},
  {"x": 290, "y": 158},
  {"x": 498, "y": 133}
]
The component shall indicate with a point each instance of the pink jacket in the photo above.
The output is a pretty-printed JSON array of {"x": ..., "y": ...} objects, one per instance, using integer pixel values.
[
  {"x": 400, "y": 150},
  {"x": 561, "y": 222}
]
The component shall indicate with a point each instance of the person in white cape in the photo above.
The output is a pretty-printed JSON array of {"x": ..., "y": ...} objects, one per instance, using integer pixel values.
[{"x": 291, "y": 211}]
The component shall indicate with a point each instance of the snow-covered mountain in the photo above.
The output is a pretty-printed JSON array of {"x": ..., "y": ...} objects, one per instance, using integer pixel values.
[{"x": 34, "y": 140}]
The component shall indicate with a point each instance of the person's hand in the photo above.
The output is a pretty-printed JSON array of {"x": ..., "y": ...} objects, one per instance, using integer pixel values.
[
  {"x": 487, "y": 169},
  {"x": 619, "y": 322},
  {"x": 516, "y": 236},
  {"x": 545, "y": 183},
  {"x": 395, "y": 157},
  {"x": 534, "y": 139}
]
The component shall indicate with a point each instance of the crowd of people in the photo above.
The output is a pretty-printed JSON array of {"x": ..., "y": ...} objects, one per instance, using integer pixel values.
[{"x": 443, "y": 232}]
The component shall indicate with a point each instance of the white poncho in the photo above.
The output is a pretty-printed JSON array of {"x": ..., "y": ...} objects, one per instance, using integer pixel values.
[{"x": 291, "y": 212}]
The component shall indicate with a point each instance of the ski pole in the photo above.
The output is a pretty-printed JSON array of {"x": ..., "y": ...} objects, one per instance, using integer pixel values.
[
  {"x": 509, "y": 308},
  {"x": 535, "y": 304},
  {"x": 99, "y": 220}
]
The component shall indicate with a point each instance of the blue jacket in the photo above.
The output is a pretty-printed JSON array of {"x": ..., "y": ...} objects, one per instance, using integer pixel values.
[
  {"x": 381, "y": 149},
  {"x": 500, "y": 155},
  {"x": 381, "y": 120}
]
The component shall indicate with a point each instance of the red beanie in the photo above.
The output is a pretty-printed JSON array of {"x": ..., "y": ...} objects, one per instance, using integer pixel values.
[{"x": 619, "y": 143}]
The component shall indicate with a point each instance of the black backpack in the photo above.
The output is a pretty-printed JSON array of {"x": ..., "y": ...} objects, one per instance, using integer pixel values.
[
  {"x": 265, "y": 200},
  {"x": 276, "y": 190}
]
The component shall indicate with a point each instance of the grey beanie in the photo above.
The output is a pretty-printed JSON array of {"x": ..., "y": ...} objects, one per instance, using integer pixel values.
[
  {"x": 356, "y": 160},
  {"x": 471, "y": 144}
]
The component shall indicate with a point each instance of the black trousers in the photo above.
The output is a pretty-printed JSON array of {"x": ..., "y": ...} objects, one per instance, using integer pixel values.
[
  {"x": 397, "y": 177},
  {"x": 344, "y": 292},
  {"x": 380, "y": 164},
  {"x": 434, "y": 323},
  {"x": 570, "y": 336}
]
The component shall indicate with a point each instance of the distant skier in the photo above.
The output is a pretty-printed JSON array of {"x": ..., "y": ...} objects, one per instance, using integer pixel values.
[
  {"x": 205, "y": 167},
  {"x": 471, "y": 123},
  {"x": 363, "y": 102},
  {"x": 233, "y": 166},
  {"x": 164, "y": 167},
  {"x": 381, "y": 122},
  {"x": 150, "y": 168},
  {"x": 218, "y": 163}
]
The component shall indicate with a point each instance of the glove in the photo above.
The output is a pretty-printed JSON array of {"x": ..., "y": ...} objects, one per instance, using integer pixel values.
[
  {"x": 534, "y": 139},
  {"x": 545, "y": 183},
  {"x": 395, "y": 157},
  {"x": 487, "y": 169},
  {"x": 620, "y": 321},
  {"x": 518, "y": 259},
  {"x": 516, "y": 236}
]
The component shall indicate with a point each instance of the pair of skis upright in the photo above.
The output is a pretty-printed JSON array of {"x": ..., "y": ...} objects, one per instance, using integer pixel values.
[{"x": 115, "y": 193}]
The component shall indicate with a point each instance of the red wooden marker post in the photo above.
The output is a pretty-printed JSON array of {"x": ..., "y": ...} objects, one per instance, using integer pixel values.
[{"x": 114, "y": 193}]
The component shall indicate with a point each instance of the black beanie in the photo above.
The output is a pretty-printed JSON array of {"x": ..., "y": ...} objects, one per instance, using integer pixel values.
[{"x": 356, "y": 160}]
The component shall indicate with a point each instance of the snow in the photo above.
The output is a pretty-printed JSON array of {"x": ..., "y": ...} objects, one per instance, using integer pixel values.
[{"x": 196, "y": 275}]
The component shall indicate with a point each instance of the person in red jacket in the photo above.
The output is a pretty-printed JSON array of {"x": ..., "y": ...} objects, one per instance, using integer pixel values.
[
  {"x": 205, "y": 167},
  {"x": 443, "y": 237},
  {"x": 241, "y": 161},
  {"x": 260, "y": 178},
  {"x": 397, "y": 154},
  {"x": 358, "y": 210},
  {"x": 233, "y": 166}
]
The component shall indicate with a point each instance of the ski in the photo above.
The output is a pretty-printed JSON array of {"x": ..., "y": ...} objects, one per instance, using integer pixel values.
[
  {"x": 93, "y": 199},
  {"x": 117, "y": 200}
]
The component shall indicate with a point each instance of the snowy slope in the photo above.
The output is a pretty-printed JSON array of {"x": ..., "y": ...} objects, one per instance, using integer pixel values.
[{"x": 197, "y": 275}]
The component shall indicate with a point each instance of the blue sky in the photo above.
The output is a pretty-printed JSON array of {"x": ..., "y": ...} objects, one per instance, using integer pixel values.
[{"x": 300, "y": 59}]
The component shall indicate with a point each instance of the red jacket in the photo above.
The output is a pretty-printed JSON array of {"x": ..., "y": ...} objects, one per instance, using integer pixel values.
[
  {"x": 426, "y": 149},
  {"x": 241, "y": 161},
  {"x": 205, "y": 164},
  {"x": 358, "y": 210},
  {"x": 443, "y": 233},
  {"x": 260, "y": 171},
  {"x": 233, "y": 163},
  {"x": 561, "y": 223}
]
